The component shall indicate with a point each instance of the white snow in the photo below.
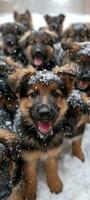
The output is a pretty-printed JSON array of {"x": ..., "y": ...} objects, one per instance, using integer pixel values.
[
  {"x": 74, "y": 174},
  {"x": 38, "y": 20}
]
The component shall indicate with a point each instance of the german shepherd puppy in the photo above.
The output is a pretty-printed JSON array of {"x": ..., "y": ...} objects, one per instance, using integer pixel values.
[
  {"x": 73, "y": 125},
  {"x": 55, "y": 23},
  {"x": 9, "y": 166},
  {"x": 38, "y": 47},
  {"x": 79, "y": 58},
  {"x": 78, "y": 32},
  {"x": 79, "y": 54},
  {"x": 11, "y": 33},
  {"x": 24, "y": 18},
  {"x": 39, "y": 126}
]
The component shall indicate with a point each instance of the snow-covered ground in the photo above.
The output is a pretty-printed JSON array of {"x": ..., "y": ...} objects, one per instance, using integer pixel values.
[{"x": 74, "y": 174}]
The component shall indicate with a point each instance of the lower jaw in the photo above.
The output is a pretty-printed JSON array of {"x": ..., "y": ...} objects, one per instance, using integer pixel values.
[{"x": 44, "y": 136}]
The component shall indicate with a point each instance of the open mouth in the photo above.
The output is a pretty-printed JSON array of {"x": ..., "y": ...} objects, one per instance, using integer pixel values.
[
  {"x": 38, "y": 61},
  {"x": 10, "y": 49},
  {"x": 82, "y": 85},
  {"x": 44, "y": 128}
]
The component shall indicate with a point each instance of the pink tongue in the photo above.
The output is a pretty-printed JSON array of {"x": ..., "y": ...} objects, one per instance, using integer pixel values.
[
  {"x": 44, "y": 127},
  {"x": 82, "y": 85},
  {"x": 38, "y": 61}
]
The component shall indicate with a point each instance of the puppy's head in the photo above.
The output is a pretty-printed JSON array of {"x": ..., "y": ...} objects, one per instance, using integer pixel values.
[
  {"x": 9, "y": 155},
  {"x": 43, "y": 104},
  {"x": 24, "y": 18},
  {"x": 11, "y": 32},
  {"x": 39, "y": 49},
  {"x": 75, "y": 33},
  {"x": 55, "y": 23},
  {"x": 80, "y": 53}
]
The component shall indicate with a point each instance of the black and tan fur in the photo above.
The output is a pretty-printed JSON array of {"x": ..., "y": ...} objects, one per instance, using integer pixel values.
[
  {"x": 9, "y": 165},
  {"x": 10, "y": 34},
  {"x": 24, "y": 18},
  {"x": 47, "y": 94},
  {"x": 73, "y": 125},
  {"x": 55, "y": 23},
  {"x": 38, "y": 47},
  {"x": 78, "y": 32}
]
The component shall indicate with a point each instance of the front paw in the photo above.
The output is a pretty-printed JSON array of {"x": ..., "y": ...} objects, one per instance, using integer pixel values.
[
  {"x": 80, "y": 156},
  {"x": 30, "y": 197},
  {"x": 56, "y": 186}
]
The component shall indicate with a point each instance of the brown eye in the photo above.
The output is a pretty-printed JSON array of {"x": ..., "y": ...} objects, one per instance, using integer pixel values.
[
  {"x": 34, "y": 94},
  {"x": 56, "y": 93}
]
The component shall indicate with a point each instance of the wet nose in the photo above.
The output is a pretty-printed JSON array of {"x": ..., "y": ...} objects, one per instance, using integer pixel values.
[
  {"x": 44, "y": 111},
  {"x": 38, "y": 50}
]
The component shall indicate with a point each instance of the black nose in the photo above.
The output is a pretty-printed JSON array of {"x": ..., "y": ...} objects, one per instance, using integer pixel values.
[
  {"x": 5, "y": 190},
  {"x": 46, "y": 112},
  {"x": 38, "y": 51}
]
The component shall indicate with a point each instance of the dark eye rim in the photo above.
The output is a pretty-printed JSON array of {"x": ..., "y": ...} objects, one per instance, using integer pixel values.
[
  {"x": 33, "y": 94},
  {"x": 55, "y": 93}
]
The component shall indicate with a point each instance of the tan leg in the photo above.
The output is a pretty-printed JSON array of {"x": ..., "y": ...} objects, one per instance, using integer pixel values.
[
  {"x": 76, "y": 149},
  {"x": 53, "y": 180},
  {"x": 30, "y": 174}
]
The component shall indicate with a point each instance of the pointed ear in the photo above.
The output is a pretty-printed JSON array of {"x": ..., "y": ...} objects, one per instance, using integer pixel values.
[
  {"x": 28, "y": 14},
  {"x": 47, "y": 18},
  {"x": 68, "y": 74},
  {"x": 16, "y": 15},
  {"x": 61, "y": 18},
  {"x": 16, "y": 78}
]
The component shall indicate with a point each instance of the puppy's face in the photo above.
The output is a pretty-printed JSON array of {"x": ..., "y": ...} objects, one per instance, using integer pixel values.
[
  {"x": 55, "y": 22},
  {"x": 75, "y": 33},
  {"x": 11, "y": 32},
  {"x": 10, "y": 44},
  {"x": 43, "y": 103},
  {"x": 24, "y": 18},
  {"x": 39, "y": 49}
]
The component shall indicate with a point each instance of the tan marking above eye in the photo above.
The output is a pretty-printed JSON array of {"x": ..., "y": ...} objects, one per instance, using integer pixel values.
[
  {"x": 56, "y": 93},
  {"x": 33, "y": 92}
]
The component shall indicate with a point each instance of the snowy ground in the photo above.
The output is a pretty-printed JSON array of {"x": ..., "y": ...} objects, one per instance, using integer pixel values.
[{"x": 74, "y": 174}]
